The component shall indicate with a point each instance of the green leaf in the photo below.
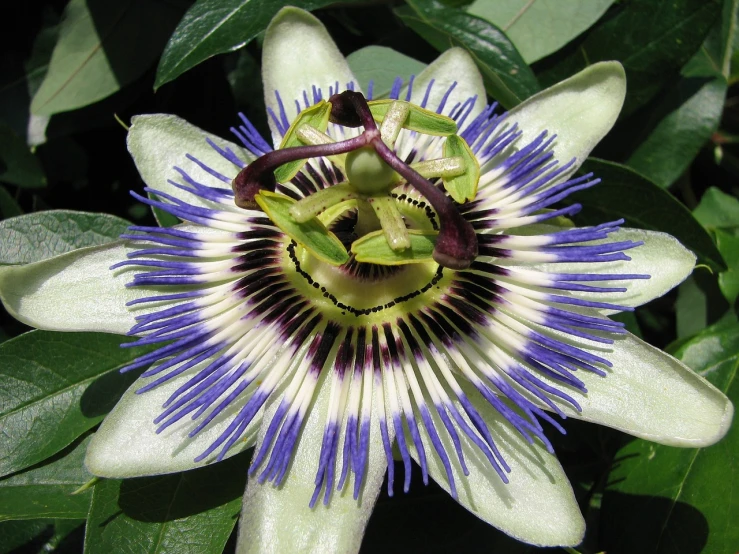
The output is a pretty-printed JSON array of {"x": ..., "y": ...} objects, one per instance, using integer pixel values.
[
  {"x": 56, "y": 386},
  {"x": 244, "y": 75},
  {"x": 664, "y": 499},
  {"x": 8, "y": 206},
  {"x": 507, "y": 77},
  {"x": 691, "y": 308},
  {"x": 381, "y": 65},
  {"x": 213, "y": 27},
  {"x": 191, "y": 512},
  {"x": 687, "y": 117},
  {"x": 623, "y": 193},
  {"x": 312, "y": 234},
  {"x": 714, "y": 57},
  {"x": 45, "y": 491},
  {"x": 524, "y": 21},
  {"x": 683, "y": 120},
  {"x": 717, "y": 210},
  {"x": 653, "y": 40},
  {"x": 373, "y": 248},
  {"x": 102, "y": 46},
  {"x": 728, "y": 281},
  {"x": 21, "y": 77},
  {"x": 39, "y": 535},
  {"x": 42, "y": 235},
  {"x": 18, "y": 165}
]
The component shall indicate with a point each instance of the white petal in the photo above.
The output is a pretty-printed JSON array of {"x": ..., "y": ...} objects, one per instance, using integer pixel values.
[
  {"x": 298, "y": 53},
  {"x": 453, "y": 66},
  {"x": 160, "y": 142},
  {"x": 127, "y": 445},
  {"x": 77, "y": 291},
  {"x": 280, "y": 520},
  {"x": 72, "y": 292},
  {"x": 579, "y": 110},
  {"x": 537, "y": 506},
  {"x": 651, "y": 395},
  {"x": 662, "y": 257}
]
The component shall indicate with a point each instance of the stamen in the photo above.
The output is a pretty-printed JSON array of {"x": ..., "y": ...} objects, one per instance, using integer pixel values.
[
  {"x": 393, "y": 122},
  {"x": 392, "y": 222},
  {"x": 442, "y": 167},
  {"x": 312, "y": 205}
]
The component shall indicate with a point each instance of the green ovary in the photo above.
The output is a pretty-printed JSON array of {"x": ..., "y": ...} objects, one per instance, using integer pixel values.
[{"x": 367, "y": 173}]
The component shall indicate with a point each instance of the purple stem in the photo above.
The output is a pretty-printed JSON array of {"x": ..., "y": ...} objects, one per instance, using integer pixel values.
[{"x": 260, "y": 175}]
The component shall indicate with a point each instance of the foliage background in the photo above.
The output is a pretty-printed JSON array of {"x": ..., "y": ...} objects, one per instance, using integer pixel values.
[{"x": 73, "y": 73}]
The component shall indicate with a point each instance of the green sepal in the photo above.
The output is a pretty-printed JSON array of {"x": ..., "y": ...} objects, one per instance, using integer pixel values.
[
  {"x": 373, "y": 248},
  {"x": 419, "y": 119},
  {"x": 317, "y": 117},
  {"x": 312, "y": 234},
  {"x": 461, "y": 187}
]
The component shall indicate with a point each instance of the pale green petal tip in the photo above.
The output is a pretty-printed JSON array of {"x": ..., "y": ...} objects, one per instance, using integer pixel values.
[
  {"x": 716, "y": 430},
  {"x": 652, "y": 395},
  {"x": 127, "y": 443},
  {"x": 159, "y": 142},
  {"x": 279, "y": 519},
  {"x": 661, "y": 256},
  {"x": 537, "y": 483},
  {"x": 71, "y": 292},
  {"x": 289, "y": 14},
  {"x": 453, "y": 66},
  {"x": 319, "y": 64},
  {"x": 725, "y": 422},
  {"x": 580, "y": 110},
  {"x": 609, "y": 76}
]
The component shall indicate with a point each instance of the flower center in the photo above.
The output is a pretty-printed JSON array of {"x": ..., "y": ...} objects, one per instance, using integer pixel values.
[{"x": 373, "y": 170}]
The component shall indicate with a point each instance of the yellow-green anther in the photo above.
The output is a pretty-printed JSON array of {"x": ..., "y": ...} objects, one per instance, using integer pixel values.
[
  {"x": 311, "y": 135},
  {"x": 374, "y": 249},
  {"x": 310, "y": 206},
  {"x": 441, "y": 167},
  {"x": 462, "y": 187},
  {"x": 317, "y": 117},
  {"x": 419, "y": 119},
  {"x": 312, "y": 234},
  {"x": 393, "y": 122},
  {"x": 393, "y": 224}
]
